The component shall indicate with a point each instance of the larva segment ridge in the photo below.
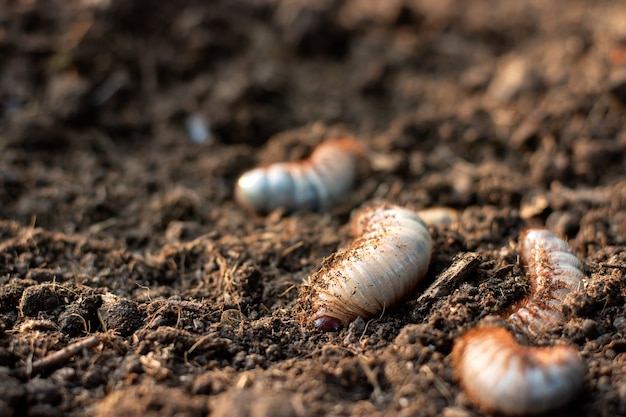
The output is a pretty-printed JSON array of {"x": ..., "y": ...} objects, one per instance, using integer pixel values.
[
  {"x": 499, "y": 375},
  {"x": 554, "y": 273},
  {"x": 384, "y": 264},
  {"x": 314, "y": 183}
]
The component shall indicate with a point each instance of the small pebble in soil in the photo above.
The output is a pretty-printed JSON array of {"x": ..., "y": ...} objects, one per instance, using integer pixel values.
[
  {"x": 389, "y": 257},
  {"x": 499, "y": 375}
]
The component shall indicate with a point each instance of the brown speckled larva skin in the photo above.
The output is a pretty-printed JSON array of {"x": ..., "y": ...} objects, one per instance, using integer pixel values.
[
  {"x": 315, "y": 183},
  {"x": 554, "y": 272},
  {"x": 499, "y": 375},
  {"x": 389, "y": 257}
]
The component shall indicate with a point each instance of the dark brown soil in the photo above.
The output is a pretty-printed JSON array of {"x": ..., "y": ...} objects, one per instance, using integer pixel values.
[{"x": 118, "y": 221}]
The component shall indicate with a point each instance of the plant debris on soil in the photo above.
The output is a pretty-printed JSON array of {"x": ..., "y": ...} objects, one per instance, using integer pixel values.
[{"x": 132, "y": 283}]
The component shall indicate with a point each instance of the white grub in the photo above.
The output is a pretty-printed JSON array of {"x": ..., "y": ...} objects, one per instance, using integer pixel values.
[
  {"x": 554, "y": 273},
  {"x": 499, "y": 375},
  {"x": 433, "y": 216},
  {"x": 387, "y": 260},
  {"x": 315, "y": 183}
]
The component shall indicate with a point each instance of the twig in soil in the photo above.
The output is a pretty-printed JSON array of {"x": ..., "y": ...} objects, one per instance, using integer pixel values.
[
  {"x": 463, "y": 265},
  {"x": 144, "y": 287},
  {"x": 58, "y": 358},
  {"x": 178, "y": 315},
  {"x": 86, "y": 325},
  {"x": 199, "y": 342},
  {"x": 291, "y": 248},
  {"x": 372, "y": 321},
  {"x": 287, "y": 290}
]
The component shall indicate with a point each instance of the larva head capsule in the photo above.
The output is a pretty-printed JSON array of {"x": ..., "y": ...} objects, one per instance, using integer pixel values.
[{"x": 328, "y": 324}]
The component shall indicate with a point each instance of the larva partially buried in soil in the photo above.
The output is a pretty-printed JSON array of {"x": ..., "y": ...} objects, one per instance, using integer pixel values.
[
  {"x": 439, "y": 215},
  {"x": 554, "y": 272},
  {"x": 314, "y": 183},
  {"x": 386, "y": 261},
  {"x": 500, "y": 375}
]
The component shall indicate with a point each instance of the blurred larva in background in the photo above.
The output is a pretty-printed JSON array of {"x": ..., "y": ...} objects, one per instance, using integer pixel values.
[{"x": 315, "y": 183}]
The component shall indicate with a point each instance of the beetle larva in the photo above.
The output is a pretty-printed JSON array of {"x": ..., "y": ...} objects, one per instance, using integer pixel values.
[
  {"x": 500, "y": 375},
  {"x": 439, "y": 215},
  {"x": 386, "y": 261},
  {"x": 314, "y": 183},
  {"x": 554, "y": 273}
]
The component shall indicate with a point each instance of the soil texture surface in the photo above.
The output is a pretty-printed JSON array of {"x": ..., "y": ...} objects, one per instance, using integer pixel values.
[{"x": 132, "y": 283}]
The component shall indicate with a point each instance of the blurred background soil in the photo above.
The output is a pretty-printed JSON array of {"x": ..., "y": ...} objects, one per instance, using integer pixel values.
[{"x": 124, "y": 126}]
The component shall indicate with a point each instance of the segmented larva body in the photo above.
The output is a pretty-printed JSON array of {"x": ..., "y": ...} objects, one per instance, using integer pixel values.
[
  {"x": 554, "y": 273},
  {"x": 499, "y": 375},
  {"x": 386, "y": 261},
  {"x": 314, "y": 183},
  {"x": 439, "y": 215}
]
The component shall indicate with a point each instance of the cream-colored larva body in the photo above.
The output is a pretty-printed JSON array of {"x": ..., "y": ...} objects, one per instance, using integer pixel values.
[
  {"x": 439, "y": 215},
  {"x": 386, "y": 261},
  {"x": 314, "y": 183},
  {"x": 554, "y": 272},
  {"x": 499, "y": 375}
]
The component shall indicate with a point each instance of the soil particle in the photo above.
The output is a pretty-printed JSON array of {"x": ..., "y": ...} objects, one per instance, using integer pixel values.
[
  {"x": 148, "y": 399},
  {"x": 121, "y": 315},
  {"x": 74, "y": 321},
  {"x": 13, "y": 396},
  {"x": 38, "y": 298},
  {"x": 81, "y": 317},
  {"x": 10, "y": 295},
  {"x": 256, "y": 403}
]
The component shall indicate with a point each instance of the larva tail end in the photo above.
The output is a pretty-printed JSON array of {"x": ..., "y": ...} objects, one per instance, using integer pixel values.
[
  {"x": 328, "y": 324},
  {"x": 435, "y": 216},
  {"x": 348, "y": 144}
]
